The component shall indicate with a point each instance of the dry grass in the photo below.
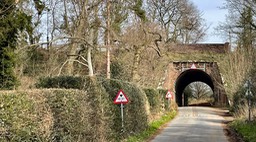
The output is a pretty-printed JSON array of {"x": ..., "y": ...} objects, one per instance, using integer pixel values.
[
  {"x": 26, "y": 82},
  {"x": 235, "y": 68},
  {"x": 193, "y": 101}
]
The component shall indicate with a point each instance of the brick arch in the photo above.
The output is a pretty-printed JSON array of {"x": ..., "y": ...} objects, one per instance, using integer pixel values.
[{"x": 187, "y": 77}]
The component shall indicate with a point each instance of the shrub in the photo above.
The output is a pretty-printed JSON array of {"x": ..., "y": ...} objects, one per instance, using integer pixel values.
[
  {"x": 155, "y": 101},
  {"x": 52, "y": 115},
  {"x": 135, "y": 112},
  {"x": 168, "y": 105},
  {"x": 66, "y": 82},
  {"x": 19, "y": 118},
  {"x": 76, "y": 117},
  {"x": 118, "y": 70}
]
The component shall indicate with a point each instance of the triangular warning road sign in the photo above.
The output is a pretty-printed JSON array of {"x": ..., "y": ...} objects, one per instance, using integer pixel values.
[
  {"x": 168, "y": 95},
  {"x": 193, "y": 66},
  {"x": 121, "y": 98}
]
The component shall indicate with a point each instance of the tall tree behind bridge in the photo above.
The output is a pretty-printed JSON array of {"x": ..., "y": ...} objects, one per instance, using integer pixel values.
[
  {"x": 240, "y": 25},
  {"x": 239, "y": 28},
  {"x": 180, "y": 19}
]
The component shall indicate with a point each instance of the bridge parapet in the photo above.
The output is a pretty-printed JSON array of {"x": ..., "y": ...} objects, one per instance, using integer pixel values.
[{"x": 185, "y": 65}]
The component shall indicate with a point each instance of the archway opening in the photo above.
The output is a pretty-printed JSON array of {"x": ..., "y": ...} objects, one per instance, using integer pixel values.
[
  {"x": 198, "y": 94},
  {"x": 187, "y": 77}
]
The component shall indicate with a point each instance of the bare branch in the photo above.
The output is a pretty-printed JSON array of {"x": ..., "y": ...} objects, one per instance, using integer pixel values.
[
  {"x": 67, "y": 62},
  {"x": 80, "y": 57}
]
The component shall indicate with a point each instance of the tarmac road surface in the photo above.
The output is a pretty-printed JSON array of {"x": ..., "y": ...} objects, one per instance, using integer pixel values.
[{"x": 194, "y": 124}]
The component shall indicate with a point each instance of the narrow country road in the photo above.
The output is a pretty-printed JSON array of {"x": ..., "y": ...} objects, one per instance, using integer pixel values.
[{"x": 193, "y": 124}]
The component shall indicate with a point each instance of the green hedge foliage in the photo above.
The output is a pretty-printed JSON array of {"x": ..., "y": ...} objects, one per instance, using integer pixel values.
[
  {"x": 66, "y": 82},
  {"x": 135, "y": 112},
  {"x": 19, "y": 120},
  {"x": 154, "y": 99},
  {"x": 52, "y": 115},
  {"x": 168, "y": 105},
  {"x": 84, "y": 113}
]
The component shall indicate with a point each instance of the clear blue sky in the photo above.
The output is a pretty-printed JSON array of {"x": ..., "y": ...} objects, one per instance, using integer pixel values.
[{"x": 213, "y": 16}]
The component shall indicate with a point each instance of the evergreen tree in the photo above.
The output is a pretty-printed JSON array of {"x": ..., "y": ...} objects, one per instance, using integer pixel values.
[
  {"x": 137, "y": 8},
  {"x": 246, "y": 35},
  {"x": 12, "y": 20}
]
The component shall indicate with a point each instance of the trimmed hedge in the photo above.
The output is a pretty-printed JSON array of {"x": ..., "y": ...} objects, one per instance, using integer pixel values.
[
  {"x": 84, "y": 113},
  {"x": 51, "y": 115},
  {"x": 155, "y": 100},
  {"x": 66, "y": 82},
  {"x": 168, "y": 105},
  {"x": 136, "y": 112},
  {"x": 19, "y": 121}
]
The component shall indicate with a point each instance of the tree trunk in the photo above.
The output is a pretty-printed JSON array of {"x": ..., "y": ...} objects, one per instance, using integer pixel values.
[
  {"x": 136, "y": 62},
  {"x": 89, "y": 59},
  {"x": 108, "y": 39},
  {"x": 71, "y": 58}
]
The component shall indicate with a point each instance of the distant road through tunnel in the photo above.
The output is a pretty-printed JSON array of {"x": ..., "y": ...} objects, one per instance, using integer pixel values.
[{"x": 187, "y": 77}]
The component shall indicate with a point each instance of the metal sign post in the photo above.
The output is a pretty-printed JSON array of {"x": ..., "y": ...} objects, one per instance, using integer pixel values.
[
  {"x": 122, "y": 115},
  {"x": 168, "y": 103},
  {"x": 249, "y": 96}
]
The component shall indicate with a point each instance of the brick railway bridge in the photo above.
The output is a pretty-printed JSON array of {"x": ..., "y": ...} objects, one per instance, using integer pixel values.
[{"x": 181, "y": 73}]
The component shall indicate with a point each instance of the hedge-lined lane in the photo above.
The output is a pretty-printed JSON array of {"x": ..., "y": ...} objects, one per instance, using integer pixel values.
[{"x": 83, "y": 112}]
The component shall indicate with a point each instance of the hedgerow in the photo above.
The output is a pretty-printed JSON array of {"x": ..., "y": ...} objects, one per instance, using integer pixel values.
[{"x": 83, "y": 112}]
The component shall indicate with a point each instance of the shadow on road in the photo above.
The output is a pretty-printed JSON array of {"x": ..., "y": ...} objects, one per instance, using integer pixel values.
[{"x": 201, "y": 104}]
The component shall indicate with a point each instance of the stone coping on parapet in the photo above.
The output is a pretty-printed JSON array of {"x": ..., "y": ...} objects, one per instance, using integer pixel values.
[
  {"x": 194, "y": 61},
  {"x": 200, "y": 47}
]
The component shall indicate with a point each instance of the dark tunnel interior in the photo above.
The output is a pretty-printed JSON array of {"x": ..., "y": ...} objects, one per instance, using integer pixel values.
[{"x": 187, "y": 77}]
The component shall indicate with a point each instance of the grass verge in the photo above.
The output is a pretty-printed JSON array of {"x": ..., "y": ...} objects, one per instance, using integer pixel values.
[
  {"x": 152, "y": 128},
  {"x": 246, "y": 129}
]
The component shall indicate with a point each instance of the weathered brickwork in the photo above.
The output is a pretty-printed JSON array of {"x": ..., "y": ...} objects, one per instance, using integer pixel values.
[{"x": 211, "y": 68}]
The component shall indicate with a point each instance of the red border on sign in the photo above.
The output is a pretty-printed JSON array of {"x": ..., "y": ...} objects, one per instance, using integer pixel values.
[
  {"x": 119, "y": 92},
  {"x": 166, "y": 96}
]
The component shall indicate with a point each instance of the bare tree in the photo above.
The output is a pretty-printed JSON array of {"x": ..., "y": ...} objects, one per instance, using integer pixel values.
[
  {"x": 139, "y": 38},
  {"x": 180, "y": 20},
  {"x": 240, "y": 25},
  {"x": 78, "y": 24},
  {"x": 72, "y": 29},
  {"x": 200, "y": 90}
]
